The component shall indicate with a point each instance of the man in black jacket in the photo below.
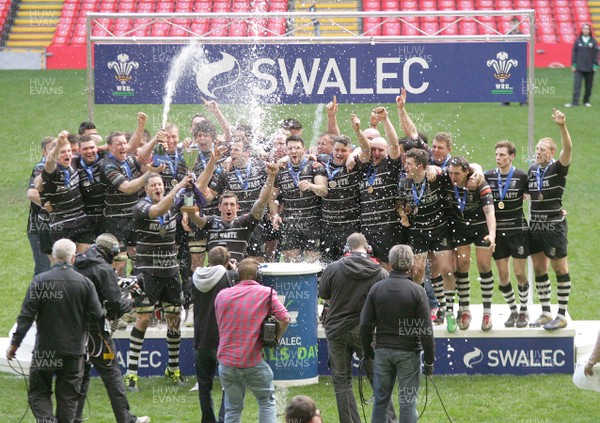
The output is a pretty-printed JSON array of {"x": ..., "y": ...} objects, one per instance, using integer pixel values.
[
  {"x": 345, "y": 283},
  {"x": 95, "y": 264},
  {"x": 62, "y": 302},
  {"x": 207, "y": 283},
  {"x": 399, "y": 310}
]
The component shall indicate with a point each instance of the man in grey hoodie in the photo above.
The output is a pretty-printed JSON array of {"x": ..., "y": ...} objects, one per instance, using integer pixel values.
[
  {"x": 207, "y": 283},
  {"x": 346, "y": 283}
]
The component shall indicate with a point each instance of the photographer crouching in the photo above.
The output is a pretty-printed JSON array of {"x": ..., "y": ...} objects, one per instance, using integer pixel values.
[{"x": 95, "y": 264}]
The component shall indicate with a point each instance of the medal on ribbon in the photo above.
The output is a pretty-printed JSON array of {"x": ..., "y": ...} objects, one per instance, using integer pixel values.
[{"x": 503, "y": 189}]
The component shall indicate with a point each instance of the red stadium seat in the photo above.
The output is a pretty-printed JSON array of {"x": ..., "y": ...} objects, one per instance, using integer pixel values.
[
  {"x": 145, "y": 8},
  {"x": 178, "y": 32},
  {"x": 257, "y": 27},
  {"x": 391, "y": 27},
  {"x": 109, "y": 7},
  {"x": 259, "y": 6},
  {"x": 78, "y": 41},
  {"x": 371, "y": 26},
  {"x": 371, "y": 5},
  {"x": 409, "y": 6},
  {"x": 218, "y": 27},
  {"x": 446, "y": 5},
  {"x": 468, "y": 28},
  {"x": 90, "y": 6},
  {"x": 126, "y": 6},
  {"x": 63, "y": 31},
  {"x": 276, "y": 27},
  {"x": 165, "y": 7},
  {"x": 485, "y": 4},
  {"x": 199, "y": 27},
  {"x": 451, "y": 28},
  {"x": 238, "y": 29},
  {"x": 430, "y": 27},
  {"x": 547, "y": 38},
  {"x": 182, "y": 7},
  {"x": 219, "y": 6},
  {"x": 59, "y": 41},
  {"x": 567, "y": 38},
  {"x": 410, "y": 25},
  {"x": 428, "y": 5},
  {"x": 71, "y": 8},
  {"x": 141, "y": 32},
  {"x": 159, "y": 29},
  {"x": 563, "y": 17},
  {"x": 504, "y": 4},
  {"x": 202, "y": 7},
  {"x": 562, "y": 10},
  {"x": 522, "y": 4},
  {"x": 240, "y": 6},
  {"x": 392, "y": 5},
  {"x": 465, "y": 5},
  {"x": 278, "y": 6}
]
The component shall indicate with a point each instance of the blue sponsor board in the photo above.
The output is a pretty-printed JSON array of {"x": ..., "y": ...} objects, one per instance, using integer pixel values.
[
  {"x": 489, "y": 355},
  {"x": 312, "y": 73},
  {"x": 296, "y": 359}
]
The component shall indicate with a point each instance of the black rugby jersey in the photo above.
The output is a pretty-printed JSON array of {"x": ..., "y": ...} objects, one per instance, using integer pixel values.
[
  {"x": 472, "y": 215},
  {"x": 341, "y": 205},
  {"x": 203, "y": 158},
  {"x": 113, "y": 174},
  {"x": 234, "y": 234},
  {"x": 548, "y": 206},
  {"x": 61, "y": 188},
  {"x": 245, "y": 182},
  {"x": 155, "y": 249},
  {"x": 299, "y": 204},
  {"x": 379, "y": 192},
  {"x": 38, "y": 216},
  {"x": 425, "y": 203},
  {"x": 92, "y": 188},
  {"x": 509, "y": 219}
]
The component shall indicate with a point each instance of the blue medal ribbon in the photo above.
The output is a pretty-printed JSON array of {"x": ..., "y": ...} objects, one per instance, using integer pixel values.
[
  {"x": 161, "y": 219},
  {"x": 296, "y": 175},
  {"x": 238, "y": 174},
  {"x": 88, "y": 169},
  {"x": 462, "y": 202},
  {"x": 371, "y": 175},
  {"x": 445, "y": 164},
  {"x": 67, "y": 173},
  {"x": 332, "y": 173},
  {"x": 174, "y": 167},
  {"x": 417, "y": 196},
  {"x": 539, "y": 176},
  {"x": 124, "y": 165},
  {"x": 502, "y": 190}
]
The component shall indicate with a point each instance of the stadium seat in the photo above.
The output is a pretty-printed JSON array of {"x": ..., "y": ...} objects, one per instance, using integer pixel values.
[
  {"x": 278, "y": 6},
  {"x": 391, "y": 5},
  {"x": 428, "y": 5},
  {"x": 63, "y": 31},
  {"x": 238, "y": 29},
  {"x": 504, "y": 4},
  {"x": 465, "y": 5},
  {"x": 560, "y": 10},
  {"x": 451, "y": 27},
  {"x": 71, "y": 8},
  {"x": 59, "y": 41},
  {"x": 165, "y": 7},
  {"x": 485, "y": 4},
  {"x": 257, "y": 27},
  {"x": 145, "y": 8},
  {"x": 219, "y": 6},
  {"x": 567, "y": 38},
  {"x": 240, "y": 6},
  {"x": 446, "y": 5},
  {"x": 199, "y": 27},
  {"x": 126, "y": 7},
  {"x": 563, "y": 17},
  {"x": 409, "y": 6},
  {"x": 182, "y": 7},
  {"x": 430, "y": 27},
  {"x": 109, "y": 7},
  {"x": 202, "y": 7},
  {"x": 159, "y": 29},
  {"x": 468, "y": 28},
  {"x": 371, "y": 26},
  {"x": 89, "y": 6},
  {"x": 276, "y": 27},
  {"x": 78, "y": 41},
  {"x": 218, "y": 27},
  {"x": 522, "y": 4},
  {"x": 410, "y": 25},
  {"x": 547, "y": 38},
  {"x": 141, "y": 32},
  {"x": 178, "y": 32},
  {"x": 391, "y": 27},
  {"x": 369, "y": 5},
  {"x": 259, "y": 6}
]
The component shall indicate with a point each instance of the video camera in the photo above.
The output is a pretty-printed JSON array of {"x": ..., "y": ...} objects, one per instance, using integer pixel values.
[{"x": 132, "y": 285}]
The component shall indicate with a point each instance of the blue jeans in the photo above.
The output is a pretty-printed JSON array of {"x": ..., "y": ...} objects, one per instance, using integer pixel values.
[
  {"x": 259, "y": 379},
  {"x": 341, "y": 350},
  {"x": 407, "y": 366}
]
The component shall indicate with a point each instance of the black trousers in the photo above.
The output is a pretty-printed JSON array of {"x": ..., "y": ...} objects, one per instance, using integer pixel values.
[
  {"x": 68, "y": 372},
  {"x": 108, "y": 369},
  {"x": 588, "y": 79},
  {"x": 206, "y": 369}
]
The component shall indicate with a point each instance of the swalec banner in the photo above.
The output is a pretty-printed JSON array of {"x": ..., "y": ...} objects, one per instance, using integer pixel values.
[{"x": 311, "y": 73}]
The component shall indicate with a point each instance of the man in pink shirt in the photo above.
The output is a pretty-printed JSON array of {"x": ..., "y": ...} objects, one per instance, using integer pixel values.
[{"x": 240, "y": 311}]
